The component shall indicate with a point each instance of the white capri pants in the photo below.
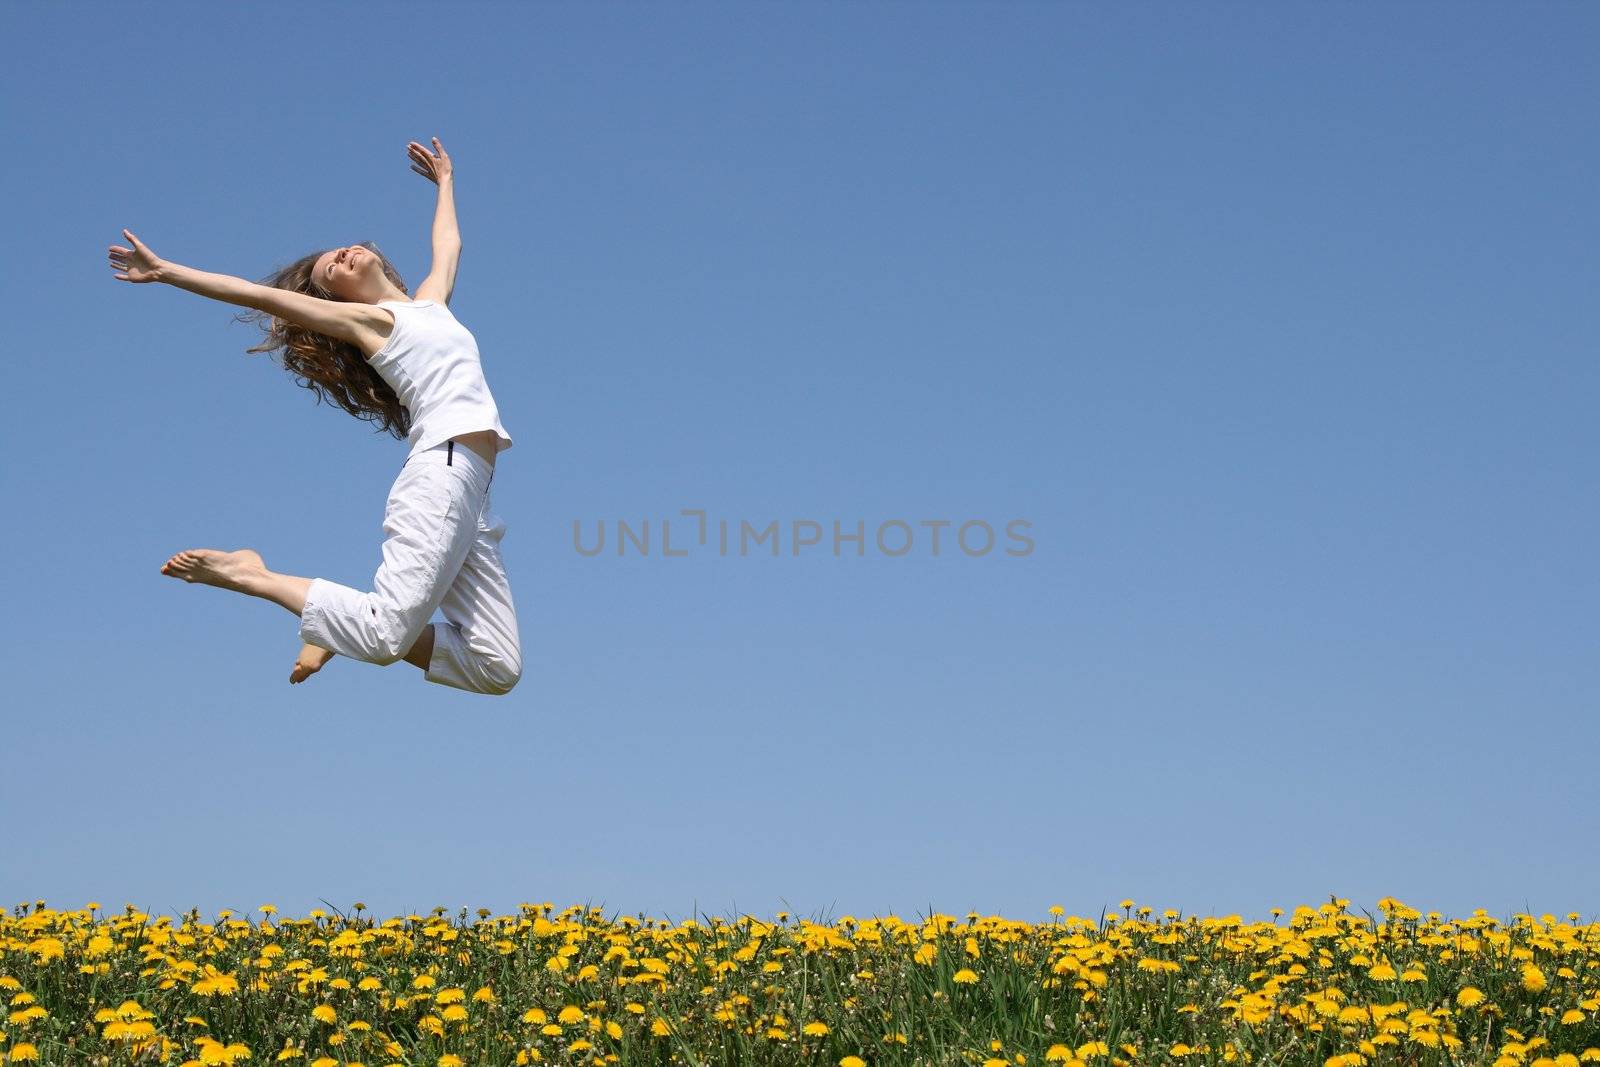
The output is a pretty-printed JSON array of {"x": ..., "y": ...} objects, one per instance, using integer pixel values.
[{"x": 441, "y": 550}]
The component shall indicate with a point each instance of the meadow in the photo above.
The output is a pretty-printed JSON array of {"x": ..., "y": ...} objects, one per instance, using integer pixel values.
[{"x": 1322, "y": 986}]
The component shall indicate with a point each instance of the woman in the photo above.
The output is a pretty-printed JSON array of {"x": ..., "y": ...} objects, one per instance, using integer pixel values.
[{"x": 349, "y": 332}]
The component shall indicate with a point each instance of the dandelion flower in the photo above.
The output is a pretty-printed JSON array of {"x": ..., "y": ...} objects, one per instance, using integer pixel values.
[{"x": 215, "y": 983}]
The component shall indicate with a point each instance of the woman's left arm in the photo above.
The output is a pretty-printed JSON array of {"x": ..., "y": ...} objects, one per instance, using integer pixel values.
[{"x": 441, "y": 280}]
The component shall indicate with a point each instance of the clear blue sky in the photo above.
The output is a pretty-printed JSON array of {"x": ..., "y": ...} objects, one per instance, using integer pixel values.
[{"x": 1276, "y": 321}]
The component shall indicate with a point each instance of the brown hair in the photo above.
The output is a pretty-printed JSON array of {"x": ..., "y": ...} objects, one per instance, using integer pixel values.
[{"x": 333, "y": 369}]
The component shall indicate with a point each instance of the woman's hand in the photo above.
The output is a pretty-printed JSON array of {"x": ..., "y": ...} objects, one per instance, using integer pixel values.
[
  {"x": 436, "y": 168},
  {"x": 137, "y": 264}
]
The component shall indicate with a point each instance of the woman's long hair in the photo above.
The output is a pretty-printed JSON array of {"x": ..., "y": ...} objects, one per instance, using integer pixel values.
[{"x": 334, "y": 370}]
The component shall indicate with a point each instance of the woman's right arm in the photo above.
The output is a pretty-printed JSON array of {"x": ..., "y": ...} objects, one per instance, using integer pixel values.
[
  {"x": 346, "y": 321},
  {"x": 334, "y": 318}
]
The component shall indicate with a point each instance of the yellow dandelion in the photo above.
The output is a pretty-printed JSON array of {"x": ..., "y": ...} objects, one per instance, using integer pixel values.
[
  {"x": 23, "y": 1052},
  {"x": 47, "y": 949},
  {"x": 965, "y": 976},
  {"x": 1058, "y": 1053},
  {"x": 852, "y": 1061},
  {"x": 220, "y": 1055},
  {"x": 324, "y": 1013},
  {"x": 121, "y": 1031},
  {"x": 215, "y": 983},
  {"x": 1470, "y": 997},
  {"x": 451, "y": 1060},
  {"x": 815, "y": 1028},
  {"x": 569, "y": 1015}
]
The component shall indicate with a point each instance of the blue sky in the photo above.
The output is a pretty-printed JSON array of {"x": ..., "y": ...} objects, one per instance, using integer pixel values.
[{"x": 1276, "y": 323}]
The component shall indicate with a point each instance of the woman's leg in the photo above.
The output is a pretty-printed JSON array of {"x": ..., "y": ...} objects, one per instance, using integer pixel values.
[
  {"x": 429, "y": 528},
  {"x": 477, "y": 648},
  {"x": 422, "y": 651},
  {"x": 429, "y": 524},
  {"x": 242, "y": 571}
]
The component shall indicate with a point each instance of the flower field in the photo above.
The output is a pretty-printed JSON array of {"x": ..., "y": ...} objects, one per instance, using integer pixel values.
[{"x": 1322, "y": 986}]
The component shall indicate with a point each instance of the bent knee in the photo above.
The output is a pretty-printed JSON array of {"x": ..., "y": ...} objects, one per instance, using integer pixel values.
[
  {"x": 502, "y": 676},
  {"x": 389, "y": 651},
  {"x": 396, "y": 634}
]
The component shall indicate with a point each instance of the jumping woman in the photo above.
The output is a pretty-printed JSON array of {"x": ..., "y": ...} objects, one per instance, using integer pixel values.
[{"x": 349, "y": 331}]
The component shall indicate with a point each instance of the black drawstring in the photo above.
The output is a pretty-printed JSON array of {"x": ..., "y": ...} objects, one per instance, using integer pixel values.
[{"x": 450, "y": 456}]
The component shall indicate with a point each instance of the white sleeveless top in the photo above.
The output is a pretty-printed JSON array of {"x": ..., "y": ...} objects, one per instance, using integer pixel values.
[{"x": 431, "y": 362}]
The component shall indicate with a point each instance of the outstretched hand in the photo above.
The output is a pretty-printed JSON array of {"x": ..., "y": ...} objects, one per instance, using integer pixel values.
[
  {"x": 435, "y": 168},
  {"x": 137, "y": 264}
]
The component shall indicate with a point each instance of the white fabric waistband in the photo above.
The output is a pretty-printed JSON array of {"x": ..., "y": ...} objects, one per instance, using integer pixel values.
[{"x": 452, "y": 454}]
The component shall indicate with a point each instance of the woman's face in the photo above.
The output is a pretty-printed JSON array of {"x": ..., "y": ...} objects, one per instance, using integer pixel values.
[{"x": 344, "y": 272}]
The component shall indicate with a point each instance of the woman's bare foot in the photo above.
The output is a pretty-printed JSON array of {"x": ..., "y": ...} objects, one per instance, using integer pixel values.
[
  {"x": 209, "y": 566},
  {"x": 312, "y": 658}
]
